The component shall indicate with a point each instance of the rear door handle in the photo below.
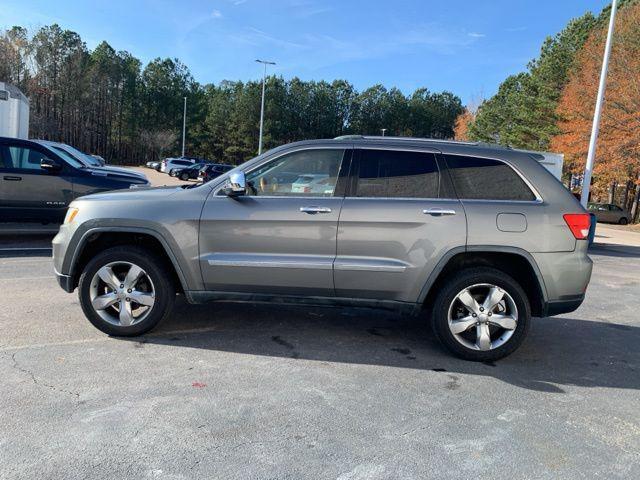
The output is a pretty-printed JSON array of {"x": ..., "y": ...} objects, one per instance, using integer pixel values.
[
  {"x": 314, "y": 210},
  {"x": 11, "y": 178},
  {"x": 438, "y": 211}
]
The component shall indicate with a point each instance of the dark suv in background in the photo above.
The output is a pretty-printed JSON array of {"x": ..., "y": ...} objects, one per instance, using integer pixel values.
[
  {"x": 37, "y": 183},
  {"x": 213, "y": 170}
]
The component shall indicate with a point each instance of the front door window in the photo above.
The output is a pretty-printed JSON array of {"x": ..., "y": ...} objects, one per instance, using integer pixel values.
[{"x": 307, "y": 173}]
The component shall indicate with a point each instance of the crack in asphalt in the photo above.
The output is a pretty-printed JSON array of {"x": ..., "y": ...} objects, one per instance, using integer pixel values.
[{"x": 31, "y": 375}]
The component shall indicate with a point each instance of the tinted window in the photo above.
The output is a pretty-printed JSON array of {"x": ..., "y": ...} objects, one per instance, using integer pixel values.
[
  {"x": 312, "y": 173},
  {"x": 22, "y": 158},
  {"x": 388, "y": 173},
  {"x": 486, "y": 179}
]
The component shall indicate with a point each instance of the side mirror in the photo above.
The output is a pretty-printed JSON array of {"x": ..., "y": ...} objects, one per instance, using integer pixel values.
[
  {"x": 236, "y": 185},
  {"x": 50, "y": 165}
]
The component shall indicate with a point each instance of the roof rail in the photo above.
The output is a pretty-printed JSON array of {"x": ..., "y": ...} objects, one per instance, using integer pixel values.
[
  {"x": 404, "y": 139},
  {"x": 417, "y": 139}
]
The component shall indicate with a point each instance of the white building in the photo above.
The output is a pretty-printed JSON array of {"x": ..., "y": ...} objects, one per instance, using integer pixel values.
[{"x": 14, "y": 112}]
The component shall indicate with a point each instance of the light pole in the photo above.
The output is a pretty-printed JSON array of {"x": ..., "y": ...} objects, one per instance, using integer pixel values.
[
  {"x": 383, "y": 130},
  {"x": 184, "y": 124},
  {"x": 264, "y": 80},
  {"x": 588, "y": 168}
]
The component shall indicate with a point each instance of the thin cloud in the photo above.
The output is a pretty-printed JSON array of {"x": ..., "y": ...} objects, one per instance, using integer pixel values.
[
  {"x": 476, "y": 35},
  {"x": 216, "y": 14}
]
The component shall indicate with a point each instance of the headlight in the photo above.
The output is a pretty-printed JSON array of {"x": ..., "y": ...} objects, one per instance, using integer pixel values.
[{"x": 71, "y": 214}]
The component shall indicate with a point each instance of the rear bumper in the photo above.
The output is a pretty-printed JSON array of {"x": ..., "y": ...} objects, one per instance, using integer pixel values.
[
  {"x": 558, "y": 307},
  {"x": 566, "y": 276}
]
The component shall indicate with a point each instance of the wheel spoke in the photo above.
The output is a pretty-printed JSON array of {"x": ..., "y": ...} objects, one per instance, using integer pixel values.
[
  {"x": 126, "y": 317},
  {"x": 505, "y": 321},
  {"x": 493, "y": 298},
  {"x": 107, "y": 276},
  {"x": 142, "y": 298},
  {"x": 133, "y": 275},
  {"x": 104, "y": 301},
  {"x": 469, "y": 302},
  {"x": 462, "y": 325},
  {"x": 483, "y": 339}
]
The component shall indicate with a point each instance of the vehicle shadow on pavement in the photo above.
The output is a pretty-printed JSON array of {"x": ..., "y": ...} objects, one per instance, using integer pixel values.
[
  {"x": 558, "y": 352},
  {"x": 614, "y": 250}
]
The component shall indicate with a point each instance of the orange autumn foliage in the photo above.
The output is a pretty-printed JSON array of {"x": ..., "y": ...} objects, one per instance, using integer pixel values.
[
  {"x": 461, "y": 128},
  {"x": 618, "y": 152}
]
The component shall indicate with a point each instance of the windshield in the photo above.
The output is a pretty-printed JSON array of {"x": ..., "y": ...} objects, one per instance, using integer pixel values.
[
  {"x": 78, "y": 155},
  {"x": 68, "y": 158}
]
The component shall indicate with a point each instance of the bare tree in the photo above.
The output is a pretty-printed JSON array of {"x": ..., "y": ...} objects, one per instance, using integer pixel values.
[{"x": 158, "y": 141}]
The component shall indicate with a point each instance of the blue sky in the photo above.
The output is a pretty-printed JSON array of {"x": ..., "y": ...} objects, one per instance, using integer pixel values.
[{"x": 467, "y": 47}]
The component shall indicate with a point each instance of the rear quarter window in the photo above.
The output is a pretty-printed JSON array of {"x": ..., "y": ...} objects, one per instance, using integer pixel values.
[{"x": 477, "y": 178}]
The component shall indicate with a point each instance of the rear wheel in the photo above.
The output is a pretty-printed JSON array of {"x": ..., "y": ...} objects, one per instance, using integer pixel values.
[
  {"x": 623, "y": 221},
  {"x": 126, "y": 291},
  {"x": 481, "y": 314},
  {"x": 184, "y": 176}
]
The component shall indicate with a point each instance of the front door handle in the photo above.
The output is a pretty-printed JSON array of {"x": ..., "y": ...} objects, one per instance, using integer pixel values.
[
  {"x": 12, "y": 178},
  {"x": 437, "y": 212},
  {"x": 314, "y": 210}
]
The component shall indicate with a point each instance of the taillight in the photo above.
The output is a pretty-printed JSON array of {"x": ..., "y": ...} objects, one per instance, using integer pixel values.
[
  {"x": 306, "y": 190},
  {"x": 579, "y": 224}
]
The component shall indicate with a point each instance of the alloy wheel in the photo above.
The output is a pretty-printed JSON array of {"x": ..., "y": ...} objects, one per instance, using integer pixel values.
[
  {"x": 482, "y": 317},
  {"x": 122, "y": 293}
]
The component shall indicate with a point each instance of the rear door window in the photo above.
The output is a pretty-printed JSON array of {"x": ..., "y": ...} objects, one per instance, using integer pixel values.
[
  {"x": 486, "y": 179},
  {"x": 397, "y": 174}
]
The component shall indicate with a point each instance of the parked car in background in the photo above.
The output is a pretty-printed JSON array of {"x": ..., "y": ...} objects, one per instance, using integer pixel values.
[
  {"x": 188, "y": 173},
  {"x": 88, "y": 160},
  {"x": 609, "y": 213},
  {"x": 211, "y": 171},
  {"x": 155, "y": 165},
  {"x": 38, "y": 181},
  {"x": 170, "y": 163},
  {"x": 312, "y": 184},
  {"x": 479, "y": 238}
]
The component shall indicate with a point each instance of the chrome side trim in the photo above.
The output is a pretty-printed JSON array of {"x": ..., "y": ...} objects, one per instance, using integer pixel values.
[
  {"x": 269, "y": 261},
  {"x": 370, "y": 265}
]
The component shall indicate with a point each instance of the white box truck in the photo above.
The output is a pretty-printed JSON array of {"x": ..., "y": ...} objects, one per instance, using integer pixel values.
[
  {"x": 14, "y": 112},
  {"x": 551, "y": 161}
]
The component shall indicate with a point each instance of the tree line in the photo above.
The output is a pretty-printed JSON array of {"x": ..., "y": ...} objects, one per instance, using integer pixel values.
[
  {"x": 106, "y": 102},
  {"x": 550, "y": 105}
]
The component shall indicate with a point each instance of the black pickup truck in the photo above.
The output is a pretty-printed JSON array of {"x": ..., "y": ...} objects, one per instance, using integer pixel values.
[{"x": 37, "y": 182}]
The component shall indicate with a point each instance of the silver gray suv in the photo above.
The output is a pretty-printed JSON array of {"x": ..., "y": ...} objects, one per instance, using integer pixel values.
[{"x": 481, "y": 238}]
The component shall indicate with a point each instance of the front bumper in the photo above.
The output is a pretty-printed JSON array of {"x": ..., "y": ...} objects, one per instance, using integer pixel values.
[{"x": 65, "y": 282}]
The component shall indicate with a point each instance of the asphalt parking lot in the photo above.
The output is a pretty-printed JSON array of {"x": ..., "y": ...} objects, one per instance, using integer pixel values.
[{"x": 242, "y": 391}]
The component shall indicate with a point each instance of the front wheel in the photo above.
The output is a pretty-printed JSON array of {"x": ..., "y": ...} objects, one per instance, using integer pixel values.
[
  {"x": 481, "y": 314},
  {"x": 126, "y": 291},
  {"x": 623, "y": 221},
  {"x": 184, "y": 176}
]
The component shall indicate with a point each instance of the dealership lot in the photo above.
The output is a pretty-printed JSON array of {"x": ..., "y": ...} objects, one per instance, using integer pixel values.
[{"x": 249, "y": 391}]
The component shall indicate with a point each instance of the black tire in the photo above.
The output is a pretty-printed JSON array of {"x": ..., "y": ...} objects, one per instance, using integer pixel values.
[
  {"x": 156, "y": 270},
  {"x": 184, "y": 176},
  {"x": 466, "y": 278},
  {"x": 623, "y": 221}
]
